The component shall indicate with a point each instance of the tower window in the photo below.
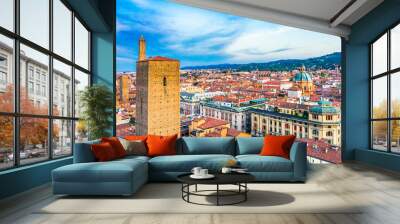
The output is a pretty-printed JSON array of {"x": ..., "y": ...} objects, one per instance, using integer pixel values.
[{"x": 165, "y": 81}]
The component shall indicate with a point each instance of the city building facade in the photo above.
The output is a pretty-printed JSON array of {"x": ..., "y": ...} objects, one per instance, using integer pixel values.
[
  {"x": 236, "y": 115},
  {"x": 322, "y": 123}
]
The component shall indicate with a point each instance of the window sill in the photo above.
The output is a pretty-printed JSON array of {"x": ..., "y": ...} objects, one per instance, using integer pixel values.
[{"x": 30, "y": 166}]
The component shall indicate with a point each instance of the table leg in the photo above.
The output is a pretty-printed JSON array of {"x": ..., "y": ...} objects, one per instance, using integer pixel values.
[
  {"x": 217, "y": 194},
  {"x": 188, "y": 189},
  {"x": 245, "y": 193},
  {"x": 195, "y": 188}
]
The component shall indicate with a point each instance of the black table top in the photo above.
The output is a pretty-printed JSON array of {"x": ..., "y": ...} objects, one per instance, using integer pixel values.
[{"x": 220, "y": 178}]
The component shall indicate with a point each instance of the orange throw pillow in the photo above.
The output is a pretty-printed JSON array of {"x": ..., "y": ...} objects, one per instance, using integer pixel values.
[
  {"x": 161, "y": 145},
  {"x": 103, "y": 152},
  {"x": 116, "y": 145},
  {"x": 277, "y": 145}
]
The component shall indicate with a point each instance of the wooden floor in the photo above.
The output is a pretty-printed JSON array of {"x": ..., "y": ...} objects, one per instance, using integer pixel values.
[{"x": 377, "y": 188}]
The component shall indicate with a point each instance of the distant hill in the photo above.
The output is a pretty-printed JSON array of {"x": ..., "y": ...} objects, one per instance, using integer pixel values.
[{"x": 328, "y": 61}]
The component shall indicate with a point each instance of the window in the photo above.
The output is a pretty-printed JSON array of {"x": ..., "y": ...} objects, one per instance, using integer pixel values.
[
  {"x": 7, "y": 14},
  {"x": 62, "y": 74},
  {"x": 385, "y": 97},
  {"x": 62, "y": 137},
  {"x": 44, "y": 91},
  {"x": 3, "y": 61},
  {"x": 81, "y": 45},
  {"x": 35, "y": 21},
  {"x": 81, "y": 82},
  {"x": 30, "y": 71},
  {"x": 3, "y": 78},
  {"x": 30, "y": 88},
  {"x": 6, "y": 74},
  {"x": 165, "y": 81},
  {"x": 62, "y": 29},
  {"x": 33, "y": 140},
  {"x": 6, "y": 142},
  {"x": 46, "y": 74}
]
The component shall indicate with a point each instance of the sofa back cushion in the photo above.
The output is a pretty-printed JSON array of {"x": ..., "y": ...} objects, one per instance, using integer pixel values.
[
  {"x": 251, "y": 145},
  {"x": 83, "y": 152},
  {"x": 206, "y": 145}
]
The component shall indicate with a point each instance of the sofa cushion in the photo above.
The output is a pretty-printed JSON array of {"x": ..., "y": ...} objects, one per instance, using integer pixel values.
[
  {"x": 83, "y": 153},
  {"x": 112, "y": 171},
  {"x": 134, "y": 147},
  {"x": 185, "y": 163},
  {"x": 133, "y": 158},
  {"x": 251, "y": 145},
  {"x": 257, "y": 163},
  {"x": 207, "y": 145}
]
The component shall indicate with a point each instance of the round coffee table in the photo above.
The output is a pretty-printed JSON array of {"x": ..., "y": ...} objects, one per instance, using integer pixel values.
[{"x": 238, "y": 179}]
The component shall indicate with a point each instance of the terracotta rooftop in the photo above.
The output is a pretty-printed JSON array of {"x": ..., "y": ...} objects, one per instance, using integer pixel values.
[
  {"x": 211, "y": 123},
  {"x": 320, "y": 149}
]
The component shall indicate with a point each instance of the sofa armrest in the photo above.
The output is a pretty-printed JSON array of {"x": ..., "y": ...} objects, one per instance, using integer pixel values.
[
  {"x": 83, "y": 152},
  {"x": 298, "y": 155}
]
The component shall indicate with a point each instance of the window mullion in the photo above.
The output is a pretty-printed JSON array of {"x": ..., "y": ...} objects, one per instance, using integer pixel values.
[
  {"x": 73, "y": 81},
  {"x": 389, "y": 104},
  {"x": 50, "y": 80},
  {"x": 16, "y": 85}
]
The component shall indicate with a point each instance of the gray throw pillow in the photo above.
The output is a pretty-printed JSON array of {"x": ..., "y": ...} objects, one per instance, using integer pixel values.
[{"x": 136, "y": 148}]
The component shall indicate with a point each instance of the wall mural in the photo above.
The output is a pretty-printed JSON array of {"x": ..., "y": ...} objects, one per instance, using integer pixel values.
[{"x": 219, "y": 75}]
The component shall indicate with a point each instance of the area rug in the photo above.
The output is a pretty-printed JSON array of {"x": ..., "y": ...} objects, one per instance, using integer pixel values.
[{"x": 166, "y": 198}]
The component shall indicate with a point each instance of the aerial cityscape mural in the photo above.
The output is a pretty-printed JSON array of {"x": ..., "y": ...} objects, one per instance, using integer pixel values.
[{"x": 225, "y": 75}]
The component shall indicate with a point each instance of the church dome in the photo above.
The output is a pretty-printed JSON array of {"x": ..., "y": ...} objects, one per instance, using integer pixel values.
[{"x": 302, "y": 76}]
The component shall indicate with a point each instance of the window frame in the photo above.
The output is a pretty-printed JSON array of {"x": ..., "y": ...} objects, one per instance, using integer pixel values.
[
  {"x": 16, "y": 115},
  {"x": 388, "y": 74}
]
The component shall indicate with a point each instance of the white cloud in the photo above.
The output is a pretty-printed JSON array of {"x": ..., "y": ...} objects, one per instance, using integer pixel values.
[
  {"x": 192, "y": 32},
  {"x": 285, "y": 42},
  {"x": 122, "y": 26},
  {"x": 141, "y": 3},
  {"x": 125, "y": 59}
]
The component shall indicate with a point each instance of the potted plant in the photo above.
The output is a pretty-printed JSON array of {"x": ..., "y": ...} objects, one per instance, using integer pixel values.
[{"x": 97, "y": 104}]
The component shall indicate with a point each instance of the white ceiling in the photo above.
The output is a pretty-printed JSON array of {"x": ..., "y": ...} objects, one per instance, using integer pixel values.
[{"x": 326, "y": 16}]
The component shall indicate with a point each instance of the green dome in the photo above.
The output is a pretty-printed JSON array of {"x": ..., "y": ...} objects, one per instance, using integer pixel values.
[{"x": 302, "y": 76}]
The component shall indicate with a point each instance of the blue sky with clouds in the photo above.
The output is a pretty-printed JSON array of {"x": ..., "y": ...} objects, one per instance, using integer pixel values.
[{"x": 201, "y": 37}]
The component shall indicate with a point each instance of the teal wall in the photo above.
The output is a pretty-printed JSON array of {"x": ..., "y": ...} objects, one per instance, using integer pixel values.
[
  {"x": 356, "y": 81},
  {"x": 103, "y": 63},
  {"x": 99, "y": 16},
  {"x": 24, "y": 178}
]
